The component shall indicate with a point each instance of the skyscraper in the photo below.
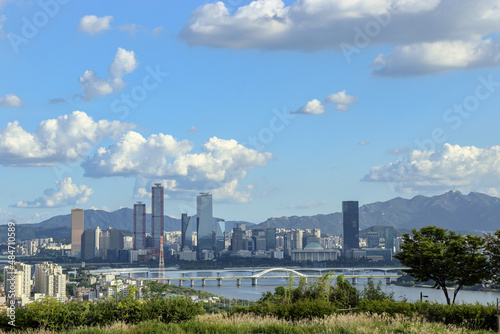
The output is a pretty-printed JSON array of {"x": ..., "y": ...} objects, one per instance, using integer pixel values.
[
  {"x": 139, "y": 226},
  {"x": 157, "y": 214},
  {"x": 220, "y": 234},
  {"x": 350, "y": 223},
  {"x": 205, "y": 229},
  {"x": 187, "y": 231},
  {"x": 88, "y": 244},
  {"x": 76, "y": 231}
]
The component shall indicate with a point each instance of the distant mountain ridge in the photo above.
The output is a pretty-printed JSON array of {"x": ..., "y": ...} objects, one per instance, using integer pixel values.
[{"x": 451, "y": 210}]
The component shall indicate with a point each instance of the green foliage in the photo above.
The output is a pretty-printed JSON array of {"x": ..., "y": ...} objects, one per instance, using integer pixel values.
[
  {"x": 53, "y": 315},
  {"x": 447, "y": 258},
  {"x": 343, "y": 294},
  {"x": 472, "y": 316},
  {"x": 375, "y": 292}
]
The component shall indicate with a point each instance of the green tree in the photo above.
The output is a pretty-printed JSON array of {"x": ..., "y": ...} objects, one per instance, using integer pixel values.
[
  {"x": 447, "y": 258},
  {"x": 493, "y": 252}
]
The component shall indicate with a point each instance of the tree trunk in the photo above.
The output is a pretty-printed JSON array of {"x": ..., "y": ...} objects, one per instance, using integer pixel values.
[
  {"x": 445, "y": 290},
  {"x": 456, "y": 292}
]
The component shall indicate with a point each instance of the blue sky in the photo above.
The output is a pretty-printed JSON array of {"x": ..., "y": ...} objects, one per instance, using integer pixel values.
[{"x": 277, "y": 108}]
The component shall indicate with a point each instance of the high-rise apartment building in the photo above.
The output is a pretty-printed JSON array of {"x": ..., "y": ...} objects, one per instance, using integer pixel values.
[
  {"x": 18, "y": 280},
  {"x": 157, "y": 214},
  {"x": 50, "y": 280},
  {"x": 205, "y": 228},
  {"x": 77, "y": 225},
  {"x": 350, "y": 223},
  {"x": 139, "y": 226}
]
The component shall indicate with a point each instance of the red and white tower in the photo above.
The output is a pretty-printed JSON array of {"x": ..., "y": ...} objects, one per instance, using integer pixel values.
[{"x": 161, "y": 265}]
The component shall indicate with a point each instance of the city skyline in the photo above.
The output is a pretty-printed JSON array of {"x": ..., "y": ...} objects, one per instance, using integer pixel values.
[{"x": 276, "y": 108}]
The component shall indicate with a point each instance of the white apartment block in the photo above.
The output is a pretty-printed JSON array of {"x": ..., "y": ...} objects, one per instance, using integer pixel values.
[
  {"x": 20, "y": 277},
  {"x": 50, "y": 280}
]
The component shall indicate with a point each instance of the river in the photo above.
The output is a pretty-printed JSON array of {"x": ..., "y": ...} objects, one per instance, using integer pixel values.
[{"x": 249, "y": 292}]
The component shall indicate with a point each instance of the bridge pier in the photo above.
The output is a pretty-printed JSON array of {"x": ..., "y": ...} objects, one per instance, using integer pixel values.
[
  {"x": 219, "y": 281},
  {"x": 354, "y": 281},
  {"x": 388, "y": 281},
  {"x": 203, "y": 283},
  {"x": 168, "y": 282},
  {"x": 254, "y": 282},
  {"x": 238, "y": 282},
  {"x": 192, "y": 283},
  {"x": 180, "y": 283}
]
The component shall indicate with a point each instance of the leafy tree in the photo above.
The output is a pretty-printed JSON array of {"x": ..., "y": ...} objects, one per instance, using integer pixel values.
[
  {"x": 493, "y": 252},
  {"x": 447, "y": 258}
]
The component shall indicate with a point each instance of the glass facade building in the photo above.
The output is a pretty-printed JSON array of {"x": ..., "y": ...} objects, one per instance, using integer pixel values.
[
  {"x": 139, "y": 226},
  {"x": 350, "y": 224},
  {"x": 157, "y": 215},
  {"x": 205, "y": 228}
]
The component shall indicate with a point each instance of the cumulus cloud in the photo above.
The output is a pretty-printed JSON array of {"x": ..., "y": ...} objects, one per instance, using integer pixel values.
[
  {"x": 66, "y": 193},
  {"x": 217, "y": 167},
  {"x": 55, "y": 141},
  {"x": 313, "y": 107},
  {"x": 349, "y": 26},
  {"x": 342, "y": 100},
  {"x": 452, "y": 166},
  {"x": 124, "y": 62},
  {"x": 438, "y": 57},
  {"x": 91, "y": 24},
  {"x": 10, "y": 100}
]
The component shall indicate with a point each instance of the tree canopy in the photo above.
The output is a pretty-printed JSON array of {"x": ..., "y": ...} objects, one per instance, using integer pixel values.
[{"x": 445, "y": 257}]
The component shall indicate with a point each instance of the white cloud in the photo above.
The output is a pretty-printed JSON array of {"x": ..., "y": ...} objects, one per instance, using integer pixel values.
[
  {"x": 218, "y": 166},
  {"x": 66, "y": 193},
  {"x": 313, "y": 107},
  {"x": 55, "y": 141},
  {"x": 363, "y": 142},
  {"x": 350, "y": 26},
  {"x": 193, "y": 129},
  {"x": 124, "y": 62},
  {"x": 157, "y": 31},
  {"x": 453, "y": 165},
  {"x": 10, "y": 100},
  {"x": 342, "y": 100},
  {"x": 92, "y": 24},
  {"x": 438, "y": 57}
]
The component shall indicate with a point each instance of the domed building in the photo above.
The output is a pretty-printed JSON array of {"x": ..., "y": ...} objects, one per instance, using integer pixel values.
[{"x": 314, "y": 252}]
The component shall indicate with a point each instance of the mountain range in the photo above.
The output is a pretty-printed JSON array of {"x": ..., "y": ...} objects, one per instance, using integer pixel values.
[{"x": 453, "y": 210}]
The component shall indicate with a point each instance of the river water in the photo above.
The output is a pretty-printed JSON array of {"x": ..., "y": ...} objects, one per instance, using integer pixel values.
[{"x": 249, "y": 292}]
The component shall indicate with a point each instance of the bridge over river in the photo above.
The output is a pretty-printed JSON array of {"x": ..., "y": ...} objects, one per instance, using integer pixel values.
[{"x": 239, "y": 274}]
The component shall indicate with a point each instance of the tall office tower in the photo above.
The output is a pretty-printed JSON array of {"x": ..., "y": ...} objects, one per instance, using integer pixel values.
[
  {"x": 270, "y": 238},
  {"x": 76, "y": 231},
  {"x": 139, "y": 226},
  {"x": 88, "y": 244},
  {"x": 115, "y": 239},
  {"x": 205, "y": 229},
  {"x": 187, "y": 231},
  {"x": 288, "y": 243},
  {"x": 350, "y": 223},
  {"x": 220, "y": 234},
  {"x": 157, "y": 214},
  {"x": 237, "y": 241},
  {"x": 50, "y": 280},
  {"x": 104, "y": 245},
  {"x": 372, "y": 239},
  {"x": 20, "y": 278},
  {"x": 389, "y": 238}
]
